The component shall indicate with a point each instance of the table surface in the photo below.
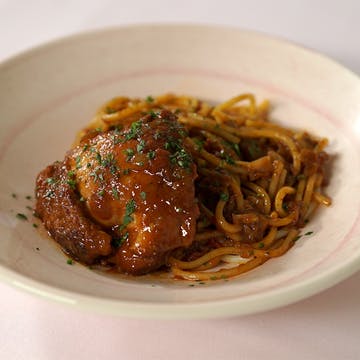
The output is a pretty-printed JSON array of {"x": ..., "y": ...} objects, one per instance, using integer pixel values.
[{"x": 325, "y": 326}]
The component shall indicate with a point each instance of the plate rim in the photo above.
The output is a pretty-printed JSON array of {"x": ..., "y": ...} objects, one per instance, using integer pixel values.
[{"x": 271, "y": 299}]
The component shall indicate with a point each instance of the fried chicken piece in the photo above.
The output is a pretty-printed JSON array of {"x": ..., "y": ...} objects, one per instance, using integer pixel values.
[
  {"x": 64, "y": 217},
  {"x": 137, "y": 184}
]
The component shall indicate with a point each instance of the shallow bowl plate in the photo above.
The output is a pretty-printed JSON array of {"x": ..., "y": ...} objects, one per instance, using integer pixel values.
[{"x": 50, "y": 92}]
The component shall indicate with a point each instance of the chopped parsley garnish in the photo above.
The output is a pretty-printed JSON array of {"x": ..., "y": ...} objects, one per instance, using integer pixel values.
[
  {"x": 309, "y": 233},
  {"x": 199, "y": 144},
  {"x": 178, "y": 154},
  {"x": 28, "y": 197},
  {"x": 129, "y": 154},
  {"x": 224, "y": 197},
  {"x": 98, "y": 157},
  {"x": 35, "y": 226},
  {"x": 71, "y": 181},
  {"x": 143, "y": 195},
  {"x": 21, "y": 216},
  {"x": 151, "y": 154},
  {"x": 117, "y": 242},
  {"x": 109, "y": 161},
  {"x": 254, "y": 149},
  {"x": 297, "y": 238},
  {"x": 50, "y": 180},
  {"x": 129, "y": 210},
  {"x": 101, "y": 192},
  {"x": 110, "y": 110},
  {"x": 126, "y": 171},
  {"x": 78, "y": 162},
  {"x": 152, "y": 113},
  {"x": 149, "y": 99},
  {"x": 261, "y": 245},
  {"x": 70, "y": 261},
  {"x": 115, "y": 193},
  {"x": 85, "y": 147},
  {"x": 224, "y": 155},
  {"x": 14, "y": 195},
  {"x": 140, "y": 146},
  {"x": 134, "y": 131},
  {"x": 182, "y": 158},
  {"x": 236, "y": 148}
]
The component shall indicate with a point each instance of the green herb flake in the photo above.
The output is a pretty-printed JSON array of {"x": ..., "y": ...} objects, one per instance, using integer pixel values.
[
  {"x": 14, "y": 195},
  {"x": 261, "y": 245},
  {"x": 309, "y": 233},
  {"x": 35, "y": 225},
  {"x": 135, "y": 130},
  {"x": 110, "y": 110},
  {"x": 140, "y": 146},
  {"x": 297, "y": 238},
  {"x": 70, "y": 261},
  {"x": 71, "y": 183},
  {"x": 213, "y": 278},
  {"x": 236, "y": 149},
  {"x": 152, "y": 114},
  {"x": 101, "y": 192},
  {"x": 117, "y": 242},
  {"x": 21, "y": 216},
  {"x": 50, "y": 180},
  {"x": 129, "y": 154},
  {"x": 181, "y": 158},
  {"x": 228, "y": 159},
  {"x": 130, "y": 207},
  {"x": 254, "y": 149},
  {"x": 151, "y": 155},
  {"x": 149, "y": 99},
  {"x": 115, "y": 193},
  {"x": 224, "y": 197},
  {"x": 98, "y": 157},
  {"x": 78, "y": 162},
  {"x": 143, "y": 195},
  {"x": 28, "y": 197},
  {"x": 199, "y": 144}
]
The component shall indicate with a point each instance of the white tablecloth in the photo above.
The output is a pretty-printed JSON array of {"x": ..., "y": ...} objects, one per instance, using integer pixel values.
[{"x": 325, "y": 326}]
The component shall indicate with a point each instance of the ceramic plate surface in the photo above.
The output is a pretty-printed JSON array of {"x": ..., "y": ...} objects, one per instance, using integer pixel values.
[{"x": 50, "y": 92}]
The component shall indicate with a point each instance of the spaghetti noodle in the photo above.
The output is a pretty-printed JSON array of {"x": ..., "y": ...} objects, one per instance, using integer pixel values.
[{"x": 258, "y": 183}]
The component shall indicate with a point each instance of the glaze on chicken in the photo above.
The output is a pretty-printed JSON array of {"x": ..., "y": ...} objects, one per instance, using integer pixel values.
[{"x": 124, "y": 197}]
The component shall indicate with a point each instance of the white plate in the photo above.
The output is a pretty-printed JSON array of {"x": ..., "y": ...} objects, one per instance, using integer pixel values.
[{"x": 48, "y": 93}]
